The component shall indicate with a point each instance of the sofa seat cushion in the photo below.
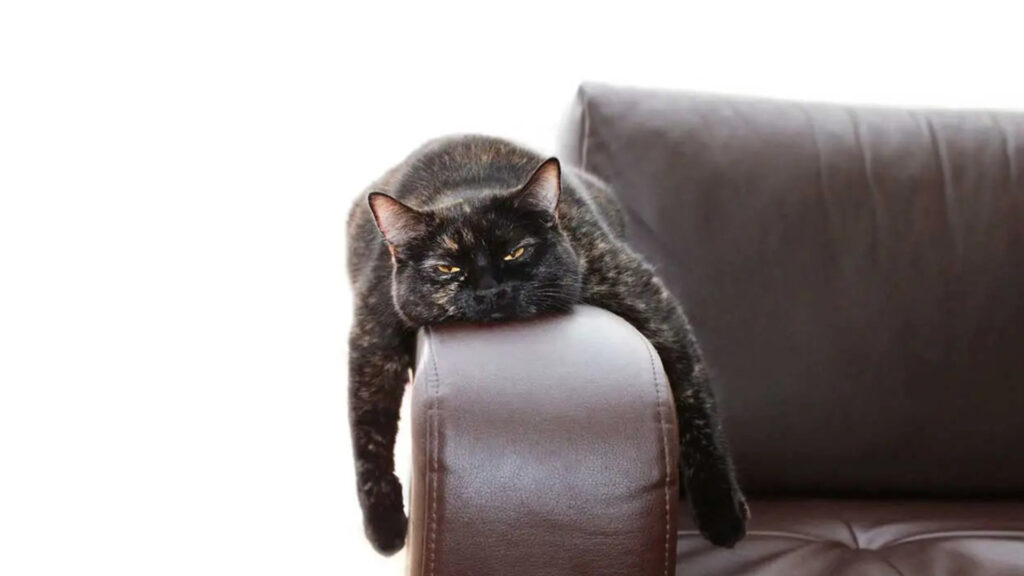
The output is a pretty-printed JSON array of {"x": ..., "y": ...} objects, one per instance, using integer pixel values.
[{"x": 865, "y": 537}]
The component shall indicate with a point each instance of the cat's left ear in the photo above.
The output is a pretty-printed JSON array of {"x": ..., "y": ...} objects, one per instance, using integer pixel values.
[
  {"x": 396, "y": 221},
  {"x": 541, "y": 192}
]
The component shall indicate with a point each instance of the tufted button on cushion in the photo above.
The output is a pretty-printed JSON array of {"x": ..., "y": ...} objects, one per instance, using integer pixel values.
[{"x": 865, "y": 538}]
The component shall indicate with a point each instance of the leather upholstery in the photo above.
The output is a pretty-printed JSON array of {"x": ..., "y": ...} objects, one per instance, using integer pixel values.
[
  {"x": 546, "y": 447},
  {"x": 855, "y": 276},
  {"x": 856, "y": 279},
  {"x": 866, "y": 538}
]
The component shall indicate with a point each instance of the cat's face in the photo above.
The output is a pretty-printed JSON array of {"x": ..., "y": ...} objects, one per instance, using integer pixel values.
[{"x": 490, "y": 257}]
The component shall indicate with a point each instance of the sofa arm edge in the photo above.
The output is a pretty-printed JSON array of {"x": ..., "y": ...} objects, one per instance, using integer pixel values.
[{"x": 576, "y": 404}]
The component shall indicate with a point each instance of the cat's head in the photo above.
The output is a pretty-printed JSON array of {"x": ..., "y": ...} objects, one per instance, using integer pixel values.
[{"x": 494, "y": 255}]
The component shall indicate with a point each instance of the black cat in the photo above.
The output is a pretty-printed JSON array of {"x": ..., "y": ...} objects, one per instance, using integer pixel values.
[{"x": 479, "y": 229}]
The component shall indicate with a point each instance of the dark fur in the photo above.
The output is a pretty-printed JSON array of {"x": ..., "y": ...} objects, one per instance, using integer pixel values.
[{"x": 475, "y": 202}]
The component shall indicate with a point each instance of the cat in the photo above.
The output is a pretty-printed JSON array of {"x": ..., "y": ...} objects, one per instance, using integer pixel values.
[{"x": 479, "y": 229}]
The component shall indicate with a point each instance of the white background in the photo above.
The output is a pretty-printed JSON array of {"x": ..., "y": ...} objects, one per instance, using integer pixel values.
[{"x": 174, "y": 179}]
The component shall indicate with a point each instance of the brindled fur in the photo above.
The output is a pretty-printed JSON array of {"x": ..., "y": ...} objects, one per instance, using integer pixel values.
[{"x": 438, "y": 242}]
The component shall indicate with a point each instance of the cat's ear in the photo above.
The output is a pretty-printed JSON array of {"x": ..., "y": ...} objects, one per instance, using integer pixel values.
[
  {"x": 541, "y": 192},
  {"x": 396, "y": 221}
]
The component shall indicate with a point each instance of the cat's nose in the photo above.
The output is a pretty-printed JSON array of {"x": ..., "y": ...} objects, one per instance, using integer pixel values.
[
  {"x": 486, "y": 283},
  {"x": 498, "y": 295}
]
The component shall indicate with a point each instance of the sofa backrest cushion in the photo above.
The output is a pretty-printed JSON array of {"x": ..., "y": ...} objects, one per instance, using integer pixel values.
[{"x": 855, "y": 276}]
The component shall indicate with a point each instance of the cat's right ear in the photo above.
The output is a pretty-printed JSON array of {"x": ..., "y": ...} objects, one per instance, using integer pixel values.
[
  {"x": 541, "y": 192},
  {"x": 396, "y": 221}
]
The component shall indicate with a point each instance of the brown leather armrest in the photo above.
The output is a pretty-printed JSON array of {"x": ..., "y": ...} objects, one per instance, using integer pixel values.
[{"x": 540, "y": 448}]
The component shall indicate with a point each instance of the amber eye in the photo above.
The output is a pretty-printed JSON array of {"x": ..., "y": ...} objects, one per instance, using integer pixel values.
[
  {"x": 448, "y": 269},
  {"x": 515, "y": 253}
]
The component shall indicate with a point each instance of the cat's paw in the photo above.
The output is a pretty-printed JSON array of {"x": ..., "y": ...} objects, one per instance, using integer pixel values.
[
  {"x": 384, "y": 517},
  {"x": 721, "y": 513}
]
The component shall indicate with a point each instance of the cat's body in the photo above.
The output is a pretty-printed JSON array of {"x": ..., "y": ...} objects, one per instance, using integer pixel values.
[{"x": 480, "y": 229}]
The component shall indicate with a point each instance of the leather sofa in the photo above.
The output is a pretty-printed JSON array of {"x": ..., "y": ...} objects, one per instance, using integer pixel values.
[{"x": 856, "y": 278}]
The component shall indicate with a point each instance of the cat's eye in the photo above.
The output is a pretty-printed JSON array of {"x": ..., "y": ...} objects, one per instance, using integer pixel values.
[
  {"x": 448, "y": 269},
  {"x": 515, "y": 253}
]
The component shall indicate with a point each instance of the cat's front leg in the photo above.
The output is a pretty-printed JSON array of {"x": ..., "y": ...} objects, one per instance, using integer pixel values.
[
  {"x": 380, "y": 355},
  {"x": 622, "y": 283}
]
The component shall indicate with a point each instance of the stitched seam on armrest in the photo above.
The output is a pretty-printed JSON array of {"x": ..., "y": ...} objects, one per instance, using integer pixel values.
[
  {"x": 434, "y": 417},
  {"x": 664, "y": 444}
]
